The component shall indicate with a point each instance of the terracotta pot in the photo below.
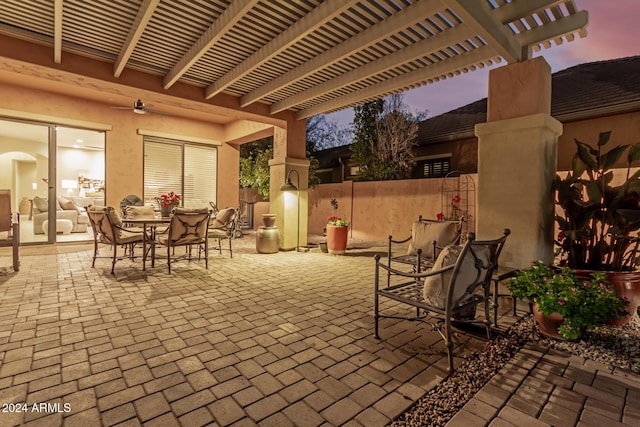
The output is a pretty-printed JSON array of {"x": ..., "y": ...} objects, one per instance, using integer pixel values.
[
  {"x": 269, "y": 219},
  {"x": 627, "y": 284},
  {"x": 548, "y": 324},
  {"x": 337, "y": 239}
]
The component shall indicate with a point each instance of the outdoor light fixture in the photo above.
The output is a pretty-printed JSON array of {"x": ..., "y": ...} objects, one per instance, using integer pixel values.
[{"x": 288, "y": 186}]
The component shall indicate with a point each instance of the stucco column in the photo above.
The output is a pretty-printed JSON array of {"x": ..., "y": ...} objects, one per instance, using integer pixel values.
[
  {"x": 517, "y": 158},
  {"x": 289, "y": 153}
]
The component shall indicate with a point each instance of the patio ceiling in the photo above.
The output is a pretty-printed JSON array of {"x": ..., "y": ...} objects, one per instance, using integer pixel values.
[{"x": 309, "y": 56}]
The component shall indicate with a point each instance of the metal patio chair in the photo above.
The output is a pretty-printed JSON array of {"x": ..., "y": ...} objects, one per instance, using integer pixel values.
[
  {"x": 108, "y": 230},
  {"x": 459, "y": 279},
  {"x": 427, "y": 238},
  {"x": 188, "y": 227},
  {"x": 224, "y": 226}
]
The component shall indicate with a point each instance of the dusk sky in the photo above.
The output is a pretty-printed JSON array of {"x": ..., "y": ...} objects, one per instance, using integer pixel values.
[{"x": 612, "y": 32}]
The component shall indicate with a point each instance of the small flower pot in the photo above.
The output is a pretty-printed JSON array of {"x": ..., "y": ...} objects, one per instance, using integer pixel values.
[{"x": 165, "y": 211}]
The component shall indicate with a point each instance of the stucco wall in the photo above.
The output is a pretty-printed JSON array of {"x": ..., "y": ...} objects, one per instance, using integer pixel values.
[
  {"x": 377, "y": 209},
  {"x": 625, "y": 129},
  {"x": 123, "y": 147}
]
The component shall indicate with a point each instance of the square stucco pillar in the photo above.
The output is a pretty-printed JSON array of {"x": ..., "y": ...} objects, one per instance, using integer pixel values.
[
  {"x": 286, "y": 205},
  {"x": 517, "y": 158}
]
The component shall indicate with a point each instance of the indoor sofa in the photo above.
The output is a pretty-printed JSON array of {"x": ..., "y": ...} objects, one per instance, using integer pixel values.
[{"x": 65, "y": 209}]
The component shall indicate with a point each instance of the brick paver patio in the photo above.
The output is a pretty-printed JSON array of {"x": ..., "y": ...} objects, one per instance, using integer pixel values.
[{"x": 279, "y": 339}]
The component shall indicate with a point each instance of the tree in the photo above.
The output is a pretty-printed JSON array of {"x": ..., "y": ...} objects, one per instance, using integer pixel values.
[
  {"x": 385, "y": 134},
  {"x": 397, "y": 129},
  {"x": 255, "y": 171},
  {"x": 254, "y": 165},
  {"x": 323, "y": 133},
  {"x": 366, "y": 138}
]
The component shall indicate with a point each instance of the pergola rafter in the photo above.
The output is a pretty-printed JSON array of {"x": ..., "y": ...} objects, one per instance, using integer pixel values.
[{"x": 309, "y": 57}]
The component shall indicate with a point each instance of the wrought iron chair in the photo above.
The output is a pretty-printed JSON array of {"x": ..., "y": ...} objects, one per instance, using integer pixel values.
[
  {"x": 108, "y": 230},
  {"x": 224, "y": 226},
  {"x": 449, "y": 292},
  {"x": 427, "y": 238},
  {"x": 188, "y": 227},
  {"x": 10, "y": 227}
]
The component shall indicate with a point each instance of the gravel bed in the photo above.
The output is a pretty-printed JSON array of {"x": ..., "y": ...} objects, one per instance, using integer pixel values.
[{"x": 617, "y": 347}]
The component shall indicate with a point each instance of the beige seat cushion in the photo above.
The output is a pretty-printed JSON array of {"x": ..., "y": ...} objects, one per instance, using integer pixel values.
[
  {"x": 435, "y": 287},
  {"x": 139, "y": 211},
  {"x": 114, "y": 216},
  {"x": 423, "y": 234},
  {"x": 222, "y": 218}
]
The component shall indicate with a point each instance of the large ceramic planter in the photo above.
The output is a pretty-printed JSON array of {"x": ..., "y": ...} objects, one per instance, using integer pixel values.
[
  {"x": 627, "y": 284},
  {"x": 337, "y": 239}
]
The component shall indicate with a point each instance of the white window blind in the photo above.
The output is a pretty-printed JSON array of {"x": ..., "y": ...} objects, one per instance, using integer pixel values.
[
  {"x": 188, "y": 170},
  {"x": 199, "y": 176}
]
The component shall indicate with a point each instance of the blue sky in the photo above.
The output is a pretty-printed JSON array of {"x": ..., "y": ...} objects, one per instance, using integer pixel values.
[{"x": 613, "y": 32}]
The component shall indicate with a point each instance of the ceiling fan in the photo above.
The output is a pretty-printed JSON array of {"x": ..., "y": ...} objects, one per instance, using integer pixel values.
[{"x": 139, "y": 107}]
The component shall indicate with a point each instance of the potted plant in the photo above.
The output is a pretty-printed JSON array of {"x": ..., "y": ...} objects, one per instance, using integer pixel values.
[
  {"x": 564, "y": 304},
  {"x": 167, "y": 202},
  {"x": 337, "y": 232},
  {"x": 600, "y": 219}
]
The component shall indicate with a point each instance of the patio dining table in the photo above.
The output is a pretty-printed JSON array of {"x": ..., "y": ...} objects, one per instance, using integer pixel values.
[{"x": 149, "y": 225}]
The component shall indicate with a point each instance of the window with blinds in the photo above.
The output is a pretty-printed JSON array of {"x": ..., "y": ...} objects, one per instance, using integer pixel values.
[
  {"x": 432, "y": 168},
  {"x": 186, "y": 169}
]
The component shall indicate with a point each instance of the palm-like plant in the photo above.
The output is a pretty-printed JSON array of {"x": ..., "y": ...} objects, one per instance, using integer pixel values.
[{"x": 599, "y": 219}]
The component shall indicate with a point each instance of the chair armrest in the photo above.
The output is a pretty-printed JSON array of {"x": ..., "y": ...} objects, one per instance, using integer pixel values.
[
  {"x": 398, "y": 241},
  {"x": 130, "y": 230},
  {"x": 422, "y": 275}
]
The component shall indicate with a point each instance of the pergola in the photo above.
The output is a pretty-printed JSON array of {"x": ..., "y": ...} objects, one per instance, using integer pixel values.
[
  {"x": 248, "y": 61},
  {"x": 309, "y": 56}
]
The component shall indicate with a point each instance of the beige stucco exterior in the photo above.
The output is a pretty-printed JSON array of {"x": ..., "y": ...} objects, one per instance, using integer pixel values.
[{"x": 80, "y": 93}]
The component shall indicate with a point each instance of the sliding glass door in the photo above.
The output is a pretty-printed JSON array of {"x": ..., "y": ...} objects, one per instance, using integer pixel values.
[
  {"x": 46, "y": 167},
  {"x": 80, "y": 180},
  {"x": 25, "y": 170}
]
